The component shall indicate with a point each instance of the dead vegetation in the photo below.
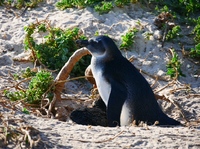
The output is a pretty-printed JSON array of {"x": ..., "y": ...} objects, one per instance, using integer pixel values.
[{"x": 14, "y": 132}]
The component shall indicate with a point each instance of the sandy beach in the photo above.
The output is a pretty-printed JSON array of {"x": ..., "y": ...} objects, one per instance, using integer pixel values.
[{"x": 148, "y": 55}]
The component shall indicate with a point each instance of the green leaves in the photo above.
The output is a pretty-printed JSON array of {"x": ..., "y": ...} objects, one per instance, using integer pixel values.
[
  {"x": 63, "y": 4},
  {"x": 38, "y": 85},
  {"x": 190, "y": 5},
  {"x": 103, "y": 7},
  {"x": 174, "y": 66},
  {"x": 20, "y": 3},
  {"x": 14, "y": 96},
  {"x": 28, "y": 73},
  {"x": 24, "y": 110},
  {"x": 100, "y": 6},
  {"x": 195, "y": 52},
  {"x": 57, "y": 46},
  {"x": 121, "y": 3},
  {"x": 128, "y": 39},
  {"x": 41, "y": 84},
  {"x": 196, "y": 31},
  {"x": 54, "y": 51},
  {"x": 164, "y": 9},
  {"x": 174, "y": 33},
  {"x": 42, "y": 28},
  {"x": 181, "y": 7}
]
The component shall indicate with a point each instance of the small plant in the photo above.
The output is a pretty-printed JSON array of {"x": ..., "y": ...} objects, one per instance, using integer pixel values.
[
  {"x": 196, "y": 31},
  {"x": 174, "y": 66},
  {"x": 24, "y": 110},
  {"x": 103, "y": 7},
  {"x": 24, "y": 74},
  {"x": 195, "y": 52},
  {"x": 190, "y": 6},
  {"x": 164, "y": 9},
  {"x": 21, "y": 3},
  {"x": 128, "y": 39},
  {"x": 63, "y": 4},
  {"x": 27, "y": 73},
  {"x": 57, "y": 46},
  {"x": 181, "y": 7},
  {"x": 121, "y": 3},
  {"x": 99, "y": 5},
  {"x": 14, "y": 96},
  {"x": 96, "y": 33},
  {"x": 41, "y": 84},
  {"x": 174, "y": 33}
]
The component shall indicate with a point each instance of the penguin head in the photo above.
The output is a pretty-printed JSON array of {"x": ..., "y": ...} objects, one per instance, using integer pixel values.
[{"x": 100, "y": 46}]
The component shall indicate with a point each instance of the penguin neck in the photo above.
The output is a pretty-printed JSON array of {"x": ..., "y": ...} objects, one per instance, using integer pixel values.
[
  {"x": 106, "y": 57},
  {"x": 96, "y": 63}
]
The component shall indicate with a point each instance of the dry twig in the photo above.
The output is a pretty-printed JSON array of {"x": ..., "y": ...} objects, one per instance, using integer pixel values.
[
  {"x": 179, "y": 107},
  {"x": 102, "y": 141},
  {"x": 65, "y": 71}
]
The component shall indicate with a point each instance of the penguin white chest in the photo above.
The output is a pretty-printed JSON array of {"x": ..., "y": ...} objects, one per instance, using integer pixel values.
[{"x": 103, "y": 86}]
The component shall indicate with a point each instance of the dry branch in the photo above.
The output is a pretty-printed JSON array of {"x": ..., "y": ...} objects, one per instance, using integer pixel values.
[
  {"x": 175, "y": 103},
  {"x": 15, "y": 131},
  {"x": 66, "y": 69},
  {"x": 102, "y": 141}
]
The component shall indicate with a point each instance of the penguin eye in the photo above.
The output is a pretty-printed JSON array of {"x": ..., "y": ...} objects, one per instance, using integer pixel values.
[{"x": 94, "y": 41}]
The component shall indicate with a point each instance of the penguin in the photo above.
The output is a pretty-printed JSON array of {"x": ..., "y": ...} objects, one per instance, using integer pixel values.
[{"x": 126, "y": 93}]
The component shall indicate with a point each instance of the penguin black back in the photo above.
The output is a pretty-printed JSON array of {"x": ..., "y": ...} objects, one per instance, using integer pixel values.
[{"x": 126, "y": 93}]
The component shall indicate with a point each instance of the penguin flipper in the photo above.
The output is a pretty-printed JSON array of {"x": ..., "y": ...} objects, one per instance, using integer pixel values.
[{"x": 116, "y": 100}]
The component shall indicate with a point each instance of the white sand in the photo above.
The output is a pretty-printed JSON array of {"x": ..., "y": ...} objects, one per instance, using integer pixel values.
[{"x": 149, "y": 56}]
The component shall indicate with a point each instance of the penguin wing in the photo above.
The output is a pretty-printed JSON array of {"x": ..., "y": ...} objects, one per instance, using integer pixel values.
[{"x": 116, "y": 100}]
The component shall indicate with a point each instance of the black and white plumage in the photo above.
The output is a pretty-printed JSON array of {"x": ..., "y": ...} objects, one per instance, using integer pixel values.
[{"x": 125, "y": 92}]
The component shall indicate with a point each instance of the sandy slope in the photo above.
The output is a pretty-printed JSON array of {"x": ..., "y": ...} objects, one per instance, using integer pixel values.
[{"x": 149, "y": 56}]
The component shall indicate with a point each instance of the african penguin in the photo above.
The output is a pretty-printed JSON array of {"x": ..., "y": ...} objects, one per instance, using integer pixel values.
[{"x": 126, "y": 93}]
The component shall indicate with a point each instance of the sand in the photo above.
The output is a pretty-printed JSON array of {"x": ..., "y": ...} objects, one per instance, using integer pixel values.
[{"x": 148, "y": 56}]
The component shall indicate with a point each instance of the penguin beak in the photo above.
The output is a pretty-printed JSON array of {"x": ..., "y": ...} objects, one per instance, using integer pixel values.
[{"x": 82, "y": 43}]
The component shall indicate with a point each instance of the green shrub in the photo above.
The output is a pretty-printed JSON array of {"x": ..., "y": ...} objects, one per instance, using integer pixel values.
[
  {"x": 99, "y": 5},
  {"x": 174, "y": 66},
  {"x": 14, "y": 96},
  {"x": 39, "y": 84},
  {"x": 63, "y": 4},
  {"x": 57, "y": 46},
  {"x": 128, "y": 39},
  {"x": 103, "y": 7},
  {"x": 121, "y": 3},
  {"x": 195, "y": 52},
  {"x": 174, "y": 33},
  {"x": 20, "y": 3},
  {"x": 163, "y": 9},
  {"x": 196, "y": 31},
  {"x": 181, "y": 7},
  {"x": 25, "y": 111}
]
